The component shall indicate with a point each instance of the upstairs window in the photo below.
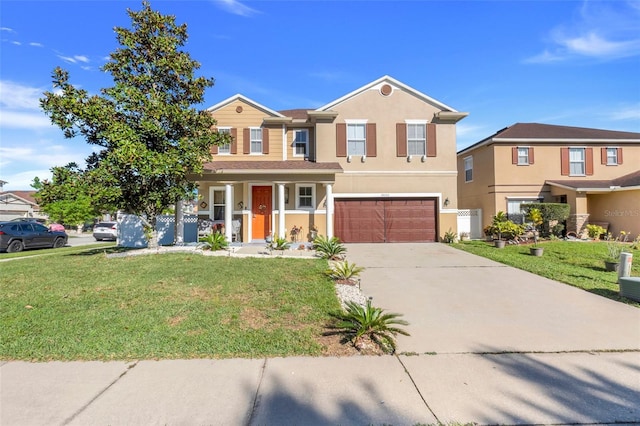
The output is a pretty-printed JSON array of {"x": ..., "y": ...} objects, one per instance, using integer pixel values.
[
  {"x": 256, "y": 140},
  {"x": 612, "y": 156},
  {"x": 356, "y": 139},
  {"x": 416, "y": 139},
  {"x": 224, "y": 149},
  {"x": 300, "y": 143},
  {"x": 577, "y": 162},
  {"x": 468, "y": 169},
  {"x": 523, "y": 156}
]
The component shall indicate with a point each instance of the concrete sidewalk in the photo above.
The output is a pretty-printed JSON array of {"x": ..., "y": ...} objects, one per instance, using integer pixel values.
[
  {"x": 489, "y": 344},
  {"x": 404, "y": 390}
]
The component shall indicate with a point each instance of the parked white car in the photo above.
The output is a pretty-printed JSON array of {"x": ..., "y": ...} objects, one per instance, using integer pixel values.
[{"x": 105, "y": 231}]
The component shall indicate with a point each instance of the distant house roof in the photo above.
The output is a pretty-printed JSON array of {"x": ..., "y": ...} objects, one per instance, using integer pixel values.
[
  {"x": 295, "y": 113},
  {"x": 261, "y": 167},
  {"x": 27, "y": 196},
  {"x": 626, "y": 182},
  {"x": 536, "y": 132}
]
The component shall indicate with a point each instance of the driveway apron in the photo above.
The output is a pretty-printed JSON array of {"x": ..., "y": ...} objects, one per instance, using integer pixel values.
[{"x": 457, "y": 302}]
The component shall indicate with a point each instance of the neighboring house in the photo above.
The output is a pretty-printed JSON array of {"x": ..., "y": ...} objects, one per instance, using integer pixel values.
[
  {"x": 597, "y": 172},
  {"x": 15, "y": 204},
  {"x": 376, "y": 165}
]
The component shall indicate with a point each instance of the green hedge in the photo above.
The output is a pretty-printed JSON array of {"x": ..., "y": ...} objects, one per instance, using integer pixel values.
[{"x": 550, "y": 212}]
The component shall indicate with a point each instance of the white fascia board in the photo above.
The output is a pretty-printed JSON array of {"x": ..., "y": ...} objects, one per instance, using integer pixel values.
[
  {"x": 387, "y": 195},
  {"x": 392, "y": 81},
  {"x": 243, "y": 98},
  {"x": 568, "y": 141}
]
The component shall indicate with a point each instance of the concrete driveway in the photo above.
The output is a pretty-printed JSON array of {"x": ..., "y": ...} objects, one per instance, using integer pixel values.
[{"x": 457, "y": 302}]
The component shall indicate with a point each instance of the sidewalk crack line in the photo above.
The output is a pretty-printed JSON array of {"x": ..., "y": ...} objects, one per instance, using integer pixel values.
[
  {"x": 256, "y": 397},
  {"x": 417, "y": 389}
]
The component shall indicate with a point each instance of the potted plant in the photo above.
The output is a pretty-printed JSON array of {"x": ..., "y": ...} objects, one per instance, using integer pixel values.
[
  {"x": 535, "y": 217},
  {"x": 464, "y": 236},
  {"x": 499, "y": 226},
  {"x": 615, "y": 246}
]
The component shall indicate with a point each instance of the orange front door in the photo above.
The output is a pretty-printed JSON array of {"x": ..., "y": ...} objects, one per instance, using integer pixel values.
[{"x": 261, "y": 212}]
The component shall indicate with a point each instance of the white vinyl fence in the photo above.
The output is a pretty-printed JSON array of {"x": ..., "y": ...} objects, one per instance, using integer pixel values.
[{"x": 470, "y": 221}]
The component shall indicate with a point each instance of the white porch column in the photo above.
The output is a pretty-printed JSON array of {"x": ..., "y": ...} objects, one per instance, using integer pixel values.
[
  {"x": 281, "y": 230},
  {"x": 329, "y": 215},
  {"x": 228, "y": 211},
  {"x": 179, "y": 223}
]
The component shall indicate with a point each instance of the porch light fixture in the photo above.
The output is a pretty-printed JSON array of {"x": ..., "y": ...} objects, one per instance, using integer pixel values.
[
  {"x": 446, "y": 201},
  {"x": 241, "y": 205}
]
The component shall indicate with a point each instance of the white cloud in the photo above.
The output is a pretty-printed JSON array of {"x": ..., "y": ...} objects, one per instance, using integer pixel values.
[
  {"x": 631, "y": 112},
  {"x": 7, "y": 29},
  {"x": 22, "y": 181},
  {"x": 35, "y": 44},
  {"x": 17, "y": 43},
  {"x": 604, "y": 30},
  {"x": 235, "y": 7},
  {"x": 81, "y": 58},
  {"x": 23, "y": 120},
  {"x": 17, "y": 96}
]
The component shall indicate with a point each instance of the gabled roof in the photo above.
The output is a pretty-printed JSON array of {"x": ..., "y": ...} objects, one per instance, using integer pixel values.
[
  {"x": 536, "y": 132},
  {"x": 239, "y": 97},
  {"x": 392, "y": 81},
  {"x": 26, "y": 196},
  {"x": 300, "y": 114},
  {"x": 626, "y": 182}
]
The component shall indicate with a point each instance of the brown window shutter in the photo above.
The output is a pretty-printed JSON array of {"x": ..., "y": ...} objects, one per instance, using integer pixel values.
[
  {"x": 234, "y": 141},
  {"x": 564, "y": 161},
  {"x": 214, "y": 149},
  {"x": 312, "y": 145},
  {"x": 371, "y": 140},
  {"x": 619, "y": 155},
  {"x": 531, "y": 155},
  {"x": 432, "y": 148},
  {"x": 265, "y": 141},
  {"x": 589, "y": 161},
  {"x": 514, "y": 155},
  {"x": 401, "y": 140},
  {"x": 603, "y": 155},
  {"x": 246, "y": 142},
  {"x": 341, "y": 140}
]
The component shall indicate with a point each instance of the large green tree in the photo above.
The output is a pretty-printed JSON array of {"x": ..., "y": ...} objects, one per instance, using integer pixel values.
[
  {"x": 148, "y": 134},
  {"x": 66, "y": 198}
]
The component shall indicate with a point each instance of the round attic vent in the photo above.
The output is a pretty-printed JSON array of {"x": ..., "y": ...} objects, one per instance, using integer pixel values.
[
  {"x": 238, "y": 109},
  {"x": 385, "y": 90}
]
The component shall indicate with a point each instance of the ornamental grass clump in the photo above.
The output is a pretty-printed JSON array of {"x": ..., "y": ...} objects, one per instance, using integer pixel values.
[
  {"x": 344, "y": 271},
  {"x": 329, "y": 248},
  {"x": 213, "y": 242},
  {"x": 360, "y": 322}
]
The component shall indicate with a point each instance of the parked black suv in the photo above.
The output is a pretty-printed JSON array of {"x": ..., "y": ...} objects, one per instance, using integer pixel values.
[{"x": 16, "y": 236}]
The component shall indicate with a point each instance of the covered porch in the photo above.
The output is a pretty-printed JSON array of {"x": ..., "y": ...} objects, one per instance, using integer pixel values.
[{"x": 252, "y": 201}]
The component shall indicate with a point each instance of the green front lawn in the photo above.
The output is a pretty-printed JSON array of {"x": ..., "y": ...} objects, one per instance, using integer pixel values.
[
  {"x": 580, "y": 264},
  {"x": 85, "y": 306}
]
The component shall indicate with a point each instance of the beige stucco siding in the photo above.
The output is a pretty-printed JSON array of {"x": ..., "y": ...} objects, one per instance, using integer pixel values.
[{"x": 619, "y": 208}]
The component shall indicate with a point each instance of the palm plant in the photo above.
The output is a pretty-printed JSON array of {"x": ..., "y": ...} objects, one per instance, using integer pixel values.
[
  {"x": 329, "y": 248},
  {"x": 359, "y": 321},
  {"x": 213, "y": 242},
  {"x": 344, "y": 270},
  {"x": 280, "y": 243}
]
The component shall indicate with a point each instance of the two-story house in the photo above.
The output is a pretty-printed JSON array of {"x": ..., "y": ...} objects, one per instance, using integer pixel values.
[
  {"x": 376, "y": 165},
  {"x": 597, "y": 172}
]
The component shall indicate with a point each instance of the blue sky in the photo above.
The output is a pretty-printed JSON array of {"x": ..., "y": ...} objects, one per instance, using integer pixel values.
[{"x": 574, "y": 63}]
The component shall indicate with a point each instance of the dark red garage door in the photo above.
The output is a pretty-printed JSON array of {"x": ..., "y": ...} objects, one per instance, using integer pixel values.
[{"x": 385, "y": 220}]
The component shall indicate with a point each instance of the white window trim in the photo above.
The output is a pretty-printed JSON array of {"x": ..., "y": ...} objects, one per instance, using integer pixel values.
[
  {"x": 213, "y": 189},
  {"x": 526, "y": 163},
  {"x": 313, "y": 196},
  {"x": 584, "y": 160},
  {"x": 614, "y": 148},
  {"x": 306, "y": 149},
  {"x": 251, "y": 151},
  {"x": 417, "y": 122},
  {"x": 464, "y": 164},
  {"x": 356, "y": 122},
  {"x": 228, "y": 129}
]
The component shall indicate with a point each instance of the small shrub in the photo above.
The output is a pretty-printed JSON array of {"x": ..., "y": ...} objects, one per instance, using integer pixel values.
[
  {"x": 344, "y": 270},
  {"x": 449, "y": 237},
  {"x": 594, "y": 231},
  {"x": 215, "y": 241},
  {"x": 280, "y": 243},
  {"x": 329, "y": 248},
  {"x": 359, "y": 321}
]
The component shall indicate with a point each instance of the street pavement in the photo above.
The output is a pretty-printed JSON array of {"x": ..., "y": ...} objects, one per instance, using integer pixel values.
[{"x": 489, "y": 344}]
